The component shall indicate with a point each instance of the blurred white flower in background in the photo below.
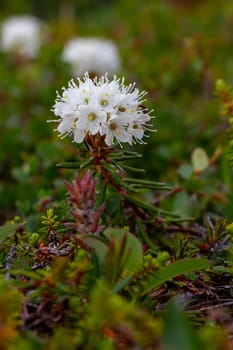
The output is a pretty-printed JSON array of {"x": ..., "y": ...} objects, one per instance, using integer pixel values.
[
  {"x": 92, "y": 55},
  {"x": 22, "y": 34},
  {"x": 102, "y": 107}
]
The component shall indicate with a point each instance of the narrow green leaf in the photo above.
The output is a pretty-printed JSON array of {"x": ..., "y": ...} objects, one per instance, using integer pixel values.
[
  {"x": 86, "y": 163},
  {"x": 124, "y": 153},
  {"x": 141, "y": 204},
  {"x": 37, "y": 275},
  {"x": 145, "y": 182},
  {"x": 74, "y": 165},
  {"x": 123, "y": 158},
  {"x": 119, "y": 181},
  {"x": 132, "y": 153},
  {"x": 131, "y": 168},
  {"x": 121, "y": 284},
  {"x": 175, "y": 269},
  {"x": 69, "y": 165},
  {"x": 126, "y": 157},
  {"x": 152, "y": 186},
  {"x": 153, "y": 210},
  {"x": 145, "y": 236},
  {"x": 117, "y": 178}
]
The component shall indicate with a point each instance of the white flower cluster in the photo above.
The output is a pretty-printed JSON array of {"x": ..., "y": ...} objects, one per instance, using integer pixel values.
[
  {"x": 21, "y": 34},
  {"x": 93, "y": 55},
  {"x": 100, "y": 106}
]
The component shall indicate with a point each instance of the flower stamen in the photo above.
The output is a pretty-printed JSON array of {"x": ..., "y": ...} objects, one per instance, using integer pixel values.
[{"x": 92, "y": 116}]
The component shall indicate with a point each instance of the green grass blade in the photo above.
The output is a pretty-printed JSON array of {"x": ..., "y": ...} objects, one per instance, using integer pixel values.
[{"x": 175, "y": 269}]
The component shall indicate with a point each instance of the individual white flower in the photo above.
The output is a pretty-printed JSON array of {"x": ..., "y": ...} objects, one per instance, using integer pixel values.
[
  {"x": 67, "y": 125},
  {"x": 108, "y": 108},
  {"x": 116, "y": 128},
  {"x": 97, "y": 56},
  {"x": 139, "y": 124},
  {"x": 21, "y": 34},
  {"x": 91, "y": 117}
]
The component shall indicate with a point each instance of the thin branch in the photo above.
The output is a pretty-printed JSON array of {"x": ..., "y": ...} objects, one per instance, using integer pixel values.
[{"x": 9, "y": 261}]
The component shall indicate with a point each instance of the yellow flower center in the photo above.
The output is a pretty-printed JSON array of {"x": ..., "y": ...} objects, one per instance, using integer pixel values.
[
  {"x": 113, "y": 126},
  {"x": 92, "y": 116},
  {"x": 104, "y": 102}
]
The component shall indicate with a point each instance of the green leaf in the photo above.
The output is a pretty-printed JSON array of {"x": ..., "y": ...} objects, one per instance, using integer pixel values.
[
  {"x": 75, "y": 165},
  {"x": 175, "y": 269},
  {"x": 126, "y": 155},
  {"x": 185, "y": 171},
  {"x": 150, "y": 208},
  {"x": 117, "y": 179},
  {"x": 34, "y": 275},
  {"x": 133, "y": 247},
  {"x": 147, "y": 184},
  {"x": 99, "y": 247},
  {"x": 121, "y": 284},
  {"x": 153, "y": 210},
  {"x": 131, "y": 168},
  {"x": 145, "y": 236},
  {"x": 69, "y": 165},
  {"x": 200, "y": 159},
  {"x": 178, "y": 331}
]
